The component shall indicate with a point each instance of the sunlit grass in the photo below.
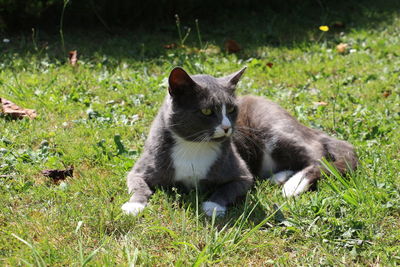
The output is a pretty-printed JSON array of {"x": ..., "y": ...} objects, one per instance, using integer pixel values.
[{"x": 96, "y": 116}]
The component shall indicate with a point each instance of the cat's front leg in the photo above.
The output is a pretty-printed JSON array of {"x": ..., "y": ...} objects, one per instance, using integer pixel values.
[
  {"x": 227, "y": 194},
  {"x": 141, "y": 193}
]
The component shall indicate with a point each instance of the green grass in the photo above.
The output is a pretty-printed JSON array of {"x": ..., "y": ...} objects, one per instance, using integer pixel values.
[{"x": 117, "y": 89}]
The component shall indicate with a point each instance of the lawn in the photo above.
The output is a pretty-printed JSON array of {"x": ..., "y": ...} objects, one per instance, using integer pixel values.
[{"x": 95, "y": 117}]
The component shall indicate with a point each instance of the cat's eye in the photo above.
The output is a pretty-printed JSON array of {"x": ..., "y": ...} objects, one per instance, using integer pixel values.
[
  {"x": 206, "y": 111},
  {"x": 230, "y": 109}
]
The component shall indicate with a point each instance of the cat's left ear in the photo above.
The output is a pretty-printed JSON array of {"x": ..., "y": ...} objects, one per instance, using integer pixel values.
[{"x": 231, "y": 80}]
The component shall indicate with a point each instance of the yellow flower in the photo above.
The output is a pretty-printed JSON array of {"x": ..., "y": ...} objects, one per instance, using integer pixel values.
[{"x": 324, "y": 28}]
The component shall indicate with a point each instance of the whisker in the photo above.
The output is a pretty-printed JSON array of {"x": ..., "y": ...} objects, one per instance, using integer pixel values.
[{"x": 248, "y": 140}]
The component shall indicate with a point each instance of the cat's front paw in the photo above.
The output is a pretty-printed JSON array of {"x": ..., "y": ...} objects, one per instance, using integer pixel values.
[
  {"x": 209, "y": 207},
  {"x": 132, "y": 208}
]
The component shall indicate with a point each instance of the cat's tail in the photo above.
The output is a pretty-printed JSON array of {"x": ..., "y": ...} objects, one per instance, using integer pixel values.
[{"x": 340, "y": 155}]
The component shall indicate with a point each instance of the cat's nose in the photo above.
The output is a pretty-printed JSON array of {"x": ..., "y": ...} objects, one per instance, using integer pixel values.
[{"x": 225, "y": 128}]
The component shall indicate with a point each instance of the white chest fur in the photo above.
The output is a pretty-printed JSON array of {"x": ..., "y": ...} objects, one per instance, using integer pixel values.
[{"x": 193, "y": 160}]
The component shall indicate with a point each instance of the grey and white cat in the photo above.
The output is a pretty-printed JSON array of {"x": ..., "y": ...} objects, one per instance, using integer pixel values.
[{"x": 206, "y": 137}]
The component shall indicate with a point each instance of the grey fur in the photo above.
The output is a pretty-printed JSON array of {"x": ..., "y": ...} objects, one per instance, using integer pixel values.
[
  {"x": 255, "y": 122},
  {"x": 180, "y": 115},
  {"x": 295, "y": 147}
]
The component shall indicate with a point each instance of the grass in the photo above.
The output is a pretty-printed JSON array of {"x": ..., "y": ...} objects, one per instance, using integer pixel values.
[{"x": 96, "y": 117}]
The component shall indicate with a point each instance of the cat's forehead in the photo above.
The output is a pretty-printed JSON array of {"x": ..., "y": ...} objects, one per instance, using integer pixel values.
[
  {"x": 207, "y": 81},
  {"x": 213, "y": 91}
]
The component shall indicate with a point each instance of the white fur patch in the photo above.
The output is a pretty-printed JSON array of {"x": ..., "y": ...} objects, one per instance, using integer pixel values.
[
  {"x": 219, "y": 132},
  {"x": 209, "y": 207},
  {"x": 193, "y": 160},
  {"x": 281, "y": 177},
  {"x": 225, "y": 123},
  {"x": 296, "y": 185},
  {"x": 132, "y": 208}
]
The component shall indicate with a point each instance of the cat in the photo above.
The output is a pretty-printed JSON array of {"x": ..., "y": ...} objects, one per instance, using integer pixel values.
[
  {"x": 207, "y": 138},
  {"x": 190, "y": 144}
]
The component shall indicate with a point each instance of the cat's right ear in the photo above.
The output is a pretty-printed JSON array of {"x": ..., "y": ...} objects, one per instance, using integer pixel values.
[
  {"x": 179, "y": 81},
  {"x": 231, "y": 80}
]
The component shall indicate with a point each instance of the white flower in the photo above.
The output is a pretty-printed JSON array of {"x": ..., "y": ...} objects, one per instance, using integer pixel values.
[{"x": 5, "y": 40}]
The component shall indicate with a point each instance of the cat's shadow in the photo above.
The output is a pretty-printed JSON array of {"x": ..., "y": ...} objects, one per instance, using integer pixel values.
[
  {"x": 245, "y": 211},
  {"x": 245, "y": 214}
]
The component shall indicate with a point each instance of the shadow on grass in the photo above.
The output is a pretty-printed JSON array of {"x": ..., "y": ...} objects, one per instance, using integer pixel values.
[
  {"x": 257, "y": 25},
  {"x": 248, "y": 207},
  {"x": 245, "y": 214}
]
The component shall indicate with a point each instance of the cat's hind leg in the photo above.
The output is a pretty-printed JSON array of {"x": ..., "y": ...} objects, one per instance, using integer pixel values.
[
  {"x": 281, "y": 177},
  {"x": 301, "y": 181}
]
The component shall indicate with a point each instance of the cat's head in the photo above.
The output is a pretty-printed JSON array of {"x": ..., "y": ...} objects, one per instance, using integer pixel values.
[{"x": 204, "y": 108}]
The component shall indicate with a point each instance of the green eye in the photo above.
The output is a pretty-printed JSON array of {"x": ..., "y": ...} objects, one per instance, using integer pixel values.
[
  {"x": 231, "y": 109},
  {"x": 206, "y": 111}
]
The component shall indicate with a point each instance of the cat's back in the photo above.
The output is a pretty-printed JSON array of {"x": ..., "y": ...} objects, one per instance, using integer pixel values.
[{"x": 259, "y": 111}]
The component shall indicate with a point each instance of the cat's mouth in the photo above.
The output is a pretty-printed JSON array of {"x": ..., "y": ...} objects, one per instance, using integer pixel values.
[{"x": 220, "y": 139}]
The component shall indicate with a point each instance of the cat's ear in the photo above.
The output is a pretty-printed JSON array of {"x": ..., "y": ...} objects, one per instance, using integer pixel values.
[
  {"x": 231, "y": 80},
  {"x": 179, "y": 81}
]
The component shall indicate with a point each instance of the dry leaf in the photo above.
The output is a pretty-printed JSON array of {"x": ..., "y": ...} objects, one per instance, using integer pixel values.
[
  {"x": 73, "y": 57},
  {"x": 269, "y": 64},
  {"x": 338, "y": 25},
  {"x": 231, "y": 46},
  {"x": 342, "y": 48},
  {"x": 170, "y": 46},
  {"x": 320, "y": 103},
  {"x": 9, "y": 108},
  {"x": 387, "y": 93},
  {"x": 57, "y": 175}
]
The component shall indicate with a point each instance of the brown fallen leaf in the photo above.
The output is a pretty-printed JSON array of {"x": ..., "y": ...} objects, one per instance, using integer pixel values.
[
  {"x": 171, "y": 46},
  {"x": 320, "y": 103},
  {"x": 9, "y": 108},
  {"x": 387, "y": 93},
  {"x": 342, "y": 48},
  {"x": 57, "y": 175},
  {"x": 338, "y": 25},
  {"x": 231, "y": 46},
  {"x": 73, "y": 57}
]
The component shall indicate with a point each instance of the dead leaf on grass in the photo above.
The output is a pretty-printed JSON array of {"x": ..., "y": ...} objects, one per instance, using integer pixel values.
[
  {"x": 342, "y": 48},
  {"x": 58, "y": 175},
  {"x": 9, "y": 108},
  {"x": 320, "y": 103},
  {"x": 231, "y": 46},
  {"x": 338, "y": 25},
  {"x": 171, "y": 46},
  {"x": 387, "y": 93},
  {"x": 73, "y": 57}
]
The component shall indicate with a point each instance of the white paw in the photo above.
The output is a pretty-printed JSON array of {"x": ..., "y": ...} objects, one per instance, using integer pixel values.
[
  {"x": 132, "y": 208},
  {"x": 209, "y": 207},
  {"x": 281, "y": 177},
  {"x": 296, "y": 185}
]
